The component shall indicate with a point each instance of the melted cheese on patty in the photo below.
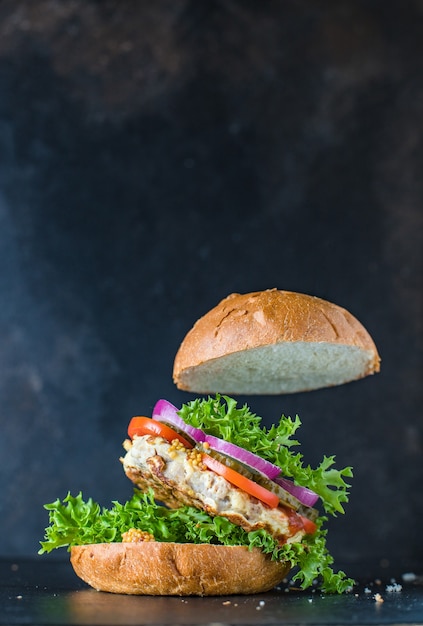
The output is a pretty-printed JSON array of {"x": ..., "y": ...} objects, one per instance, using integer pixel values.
[{"x": 152, "y": 462}]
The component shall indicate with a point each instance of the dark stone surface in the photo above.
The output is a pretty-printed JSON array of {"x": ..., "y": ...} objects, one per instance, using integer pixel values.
[
  {"x": 155, "y": 157},
  {"x": 42, "y": 592}
]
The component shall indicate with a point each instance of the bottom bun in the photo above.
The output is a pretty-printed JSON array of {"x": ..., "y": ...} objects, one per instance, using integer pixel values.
[{"x": 176, "y": 569}]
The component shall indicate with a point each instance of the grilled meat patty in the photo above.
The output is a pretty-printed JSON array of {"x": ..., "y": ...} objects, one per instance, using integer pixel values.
[{"x": 178, "y": 478}]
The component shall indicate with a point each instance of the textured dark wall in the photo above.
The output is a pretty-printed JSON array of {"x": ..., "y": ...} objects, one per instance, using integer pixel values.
[{"x": 155, "y": 157}]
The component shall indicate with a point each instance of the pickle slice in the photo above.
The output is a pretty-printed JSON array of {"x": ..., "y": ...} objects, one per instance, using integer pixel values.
[{"x": 286, "y": 498}]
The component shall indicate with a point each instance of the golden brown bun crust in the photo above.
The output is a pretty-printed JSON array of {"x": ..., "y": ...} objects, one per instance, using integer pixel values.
[
  {"x": 177, "y": 569},
  {"x": 265, "y": 319}
]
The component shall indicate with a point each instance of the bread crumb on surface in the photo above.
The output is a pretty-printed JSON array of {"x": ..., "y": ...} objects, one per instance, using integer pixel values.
[{"x": 378, "y": 598}]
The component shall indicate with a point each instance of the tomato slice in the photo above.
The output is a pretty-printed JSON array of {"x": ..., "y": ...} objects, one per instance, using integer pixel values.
[
  {"x": 146, "y": 426},
  {"x": 244, "y": 483},
  {"x": 309, "y": 526}
]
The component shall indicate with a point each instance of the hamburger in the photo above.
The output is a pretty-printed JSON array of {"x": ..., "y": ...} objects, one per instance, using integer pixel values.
[{"x": 221, "y": 504}]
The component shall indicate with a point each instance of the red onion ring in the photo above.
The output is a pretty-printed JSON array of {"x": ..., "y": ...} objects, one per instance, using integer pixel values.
[
  {"x": 166, "y": 412},
  {"x": 244, "y": 456},
  {"x": 303, "y": 494}
]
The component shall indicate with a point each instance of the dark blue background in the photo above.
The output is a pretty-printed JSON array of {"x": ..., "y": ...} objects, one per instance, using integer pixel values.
[{"x": 155, "y": 157}]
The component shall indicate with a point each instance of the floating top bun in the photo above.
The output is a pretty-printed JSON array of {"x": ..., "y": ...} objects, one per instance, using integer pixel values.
[
  {"x": 273, "y": 342},
  {"x": 176, "y": 569}
]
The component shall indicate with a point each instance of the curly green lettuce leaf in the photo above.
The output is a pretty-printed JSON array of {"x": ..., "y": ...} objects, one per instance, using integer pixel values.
[
  {"x": 220, "y": 416},
  {"x": 74, "y": 521},
  {"x": 313, "y": 561}
]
